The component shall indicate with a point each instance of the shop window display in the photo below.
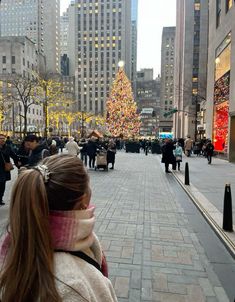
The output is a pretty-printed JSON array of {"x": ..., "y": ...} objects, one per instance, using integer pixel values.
[{"x": 221, "y": 113}]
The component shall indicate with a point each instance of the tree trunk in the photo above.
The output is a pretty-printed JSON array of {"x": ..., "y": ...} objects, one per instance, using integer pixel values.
[{"x": 25, "y": 120}]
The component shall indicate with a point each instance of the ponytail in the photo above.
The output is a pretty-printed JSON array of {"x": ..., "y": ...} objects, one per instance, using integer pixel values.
[{"x": 28, "y": 271}]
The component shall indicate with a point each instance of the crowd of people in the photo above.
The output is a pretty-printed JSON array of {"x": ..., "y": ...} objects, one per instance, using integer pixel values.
[
  {"x": 172, "y": 151},
  {"x": 33, "y": 149}
]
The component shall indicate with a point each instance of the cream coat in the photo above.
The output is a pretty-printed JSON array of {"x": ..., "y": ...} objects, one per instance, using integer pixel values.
[
  {"x": 80, "y": 281},
  {"x": 72, "y": 148}
]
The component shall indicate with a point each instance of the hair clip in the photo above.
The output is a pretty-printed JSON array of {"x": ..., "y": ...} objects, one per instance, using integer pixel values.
[{"x": 43, "y": 169}]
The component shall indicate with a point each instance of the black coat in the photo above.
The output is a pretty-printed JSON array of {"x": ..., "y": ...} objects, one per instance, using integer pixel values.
[
  {"x": 6, "y": 153},
  {"x": 167, "y": 153},
  {"x": 37, "y": 155},
  {"x": 91, "y": 148}
]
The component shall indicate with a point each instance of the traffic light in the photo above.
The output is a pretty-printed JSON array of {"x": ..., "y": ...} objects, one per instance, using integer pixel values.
[{"x": 172, "y": 111}]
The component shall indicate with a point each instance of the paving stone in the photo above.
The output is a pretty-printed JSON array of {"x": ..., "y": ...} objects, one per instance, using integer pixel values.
[{"x": 122, "y": 287}]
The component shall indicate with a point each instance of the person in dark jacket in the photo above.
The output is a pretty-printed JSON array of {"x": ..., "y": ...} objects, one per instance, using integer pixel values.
[
  {"x": 38, "y": 151},
  {"x": 23, "y": 154},
  {"x": 91, "y": 151},
  {"x": 83, "y": 151},
  {"x": 5, "y": 153},
  {"x": 168, "y": 155},
  {"x": 209, "y": 151},
  {"x": 111, "y": 153}
]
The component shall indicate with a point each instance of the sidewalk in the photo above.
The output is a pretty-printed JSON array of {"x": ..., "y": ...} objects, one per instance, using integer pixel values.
[
  {"x": 207, "y": 185},
  {"x": 152, "y": 251}
]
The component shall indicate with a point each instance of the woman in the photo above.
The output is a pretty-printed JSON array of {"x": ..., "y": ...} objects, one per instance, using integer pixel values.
[
  {"x": 178, "y": 153},
  {"x": 51, "y": 253},
  {"x": 111, "y": 153}
]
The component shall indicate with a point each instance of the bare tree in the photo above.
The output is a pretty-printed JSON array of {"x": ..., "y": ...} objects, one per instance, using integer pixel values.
[{"x": 23, "y": 92}]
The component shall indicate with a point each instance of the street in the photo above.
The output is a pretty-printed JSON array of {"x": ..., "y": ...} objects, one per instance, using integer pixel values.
[{"x": 158, "y": 246}]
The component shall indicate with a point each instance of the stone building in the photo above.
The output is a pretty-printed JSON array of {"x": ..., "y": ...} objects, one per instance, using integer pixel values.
[
  {"x": 190, "y": 73},
  {"x": 220, "y": 105}
]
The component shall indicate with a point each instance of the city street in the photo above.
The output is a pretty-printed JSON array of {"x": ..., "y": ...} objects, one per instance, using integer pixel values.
[{"x": 158, "y": 246}]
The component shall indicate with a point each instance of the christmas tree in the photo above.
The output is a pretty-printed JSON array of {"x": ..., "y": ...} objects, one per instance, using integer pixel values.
[{"x": 122, "y": 117}]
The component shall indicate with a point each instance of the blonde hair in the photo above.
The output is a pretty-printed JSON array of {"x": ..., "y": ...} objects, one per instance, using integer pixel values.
[{"x": 28, "y": 272}]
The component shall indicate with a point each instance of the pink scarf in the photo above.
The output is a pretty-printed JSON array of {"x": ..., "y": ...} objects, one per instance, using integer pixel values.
[{"x": 70, "y": 231}]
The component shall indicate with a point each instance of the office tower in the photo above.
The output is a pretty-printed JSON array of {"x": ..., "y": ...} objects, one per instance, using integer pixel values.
[
  {"x": 167, "y": 77},
  {"x": 190, "y": 66},
  {"x": 148, "y": 101},
  {"x": 39, "y": 21},
  {"x": 99, "y": 37},
  {"x": 18, "y": 57},
  {"x": 220, "y": 105},
  {"x": 134, "y": 20}
]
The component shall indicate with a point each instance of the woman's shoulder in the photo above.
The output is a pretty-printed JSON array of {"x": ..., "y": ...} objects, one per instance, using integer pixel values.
[{"x": 78, "y": 278}]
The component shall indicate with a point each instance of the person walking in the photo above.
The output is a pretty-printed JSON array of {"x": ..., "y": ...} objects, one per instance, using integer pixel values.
[
  {"x": 168, "y": 156},
  {"x": 92, "y": 151},
  {"x": 83, "y": 151},
  {"x": 6, "y": 153},
  {"x": 72, "y": 147},
  {"x": 209, "y": 149},
  {"x": 50, "y": 252},
  {"x": 38, "y": 150},
  {"x": 111, "y": 153},
  {"x": 178, "y": 153},
  {"x": 188, "y": 145}
]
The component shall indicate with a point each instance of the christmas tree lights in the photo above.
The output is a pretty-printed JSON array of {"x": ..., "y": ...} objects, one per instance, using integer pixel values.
[{"x": 122, "y": 118}]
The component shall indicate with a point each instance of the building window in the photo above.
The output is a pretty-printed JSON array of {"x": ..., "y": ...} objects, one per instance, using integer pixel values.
[
  {"x": 218, "y": 12},
  {"x": 4, "y": 59},
  {"x": 229, "y": 4}
]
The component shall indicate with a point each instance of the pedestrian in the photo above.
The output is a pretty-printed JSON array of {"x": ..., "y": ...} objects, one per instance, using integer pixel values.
[
  {"x": 111, "y": 153},
  {"x": 23, "y": 155},
  {"x": 50, "y": 252},
  {"x": 92, "y": 151},
  {"x": 178, "y": 153},
  {"x": 83, "y": 151},
  {"x": 72, "y": 147},
  {"x": 188, "y": 145},
  {"x": 6, "y": 166},
  {"x": 53, "y": 148},
  {"x": 167, "y": 155},
  {"x": 38, "y": 151},
  {"x": 209, "y": 150}
]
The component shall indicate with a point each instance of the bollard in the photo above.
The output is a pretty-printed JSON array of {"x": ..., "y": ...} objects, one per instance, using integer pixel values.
[
  {"x": 228, "y": 213},
  {"x": 186, "y": 175}
]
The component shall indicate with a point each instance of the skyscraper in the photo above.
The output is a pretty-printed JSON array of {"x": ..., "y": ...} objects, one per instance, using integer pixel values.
[
  {"x": 39, "y": 21},
  {"x": 167, "y": 77},
  {"x": 190, "y": 65},
  {"x": 220, "y": 105},
  {"x": 99, "y": 37},
  {"x": 134, "y": 20}
]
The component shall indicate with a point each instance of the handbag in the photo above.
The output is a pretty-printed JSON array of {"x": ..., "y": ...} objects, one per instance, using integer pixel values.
[
  {"x": 7, "y": 166},
  {"x": 178, "y": 158}
]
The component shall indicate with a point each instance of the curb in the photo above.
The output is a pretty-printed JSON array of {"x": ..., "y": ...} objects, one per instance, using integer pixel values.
[{"x": 228, "y": 238}]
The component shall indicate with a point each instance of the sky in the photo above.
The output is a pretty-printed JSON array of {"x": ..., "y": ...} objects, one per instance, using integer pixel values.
[{"x": 153, "y": 15}]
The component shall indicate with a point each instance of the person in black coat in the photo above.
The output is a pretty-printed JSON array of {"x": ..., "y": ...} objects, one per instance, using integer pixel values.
[
  {"x": 209, "y": 151},
  {"x": 91, "y": 151},
  {"x": 38, "y": 151},
  {"x": 111, "y": 153},
  {"x": 168, "y": 155},
  {"x": 83, "y": 151},
  {"x": 6, "y": 153}
]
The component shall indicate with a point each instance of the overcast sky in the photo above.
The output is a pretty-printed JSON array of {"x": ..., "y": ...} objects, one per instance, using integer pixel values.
[{"x": 153, "y": 16}]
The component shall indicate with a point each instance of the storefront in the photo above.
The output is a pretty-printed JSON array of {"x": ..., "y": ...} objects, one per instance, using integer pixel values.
[{"x": 221, "y": 95}]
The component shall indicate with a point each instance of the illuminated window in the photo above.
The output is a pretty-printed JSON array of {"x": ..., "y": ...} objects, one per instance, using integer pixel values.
[
  {"x": 195, "y": 79},
  {"x": 197, "y": 6},
  {"x": 195, "y": 91}
]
